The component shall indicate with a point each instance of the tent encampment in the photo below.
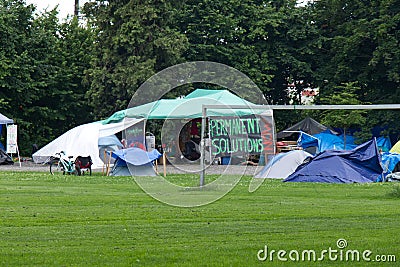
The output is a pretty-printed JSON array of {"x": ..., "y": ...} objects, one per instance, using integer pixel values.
[
  {"x": 134, "y": 161},
  {"x": 360, "y": 165},
  {"x": 190, "y": 107},
  {"x": 83, "y": 140},
  {"x": 283, "y": 164}
]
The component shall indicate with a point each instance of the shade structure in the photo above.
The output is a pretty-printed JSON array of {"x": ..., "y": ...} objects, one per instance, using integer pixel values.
[
  {"x": 189, "y": 107},
  {"x": 5, "y": 120}
]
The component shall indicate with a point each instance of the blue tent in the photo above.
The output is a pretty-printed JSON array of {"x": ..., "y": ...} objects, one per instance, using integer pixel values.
[
  {"x": 108, "y": 143},
  {"x": 134, "y": 161},
  {"x": 360, "y": 165}
]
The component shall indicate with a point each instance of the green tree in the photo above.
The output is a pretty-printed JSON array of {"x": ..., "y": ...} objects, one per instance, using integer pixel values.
[
  {"x": 359, "y": 41},
  {"x": 134, "y": 40},
  {"x": 345, "y": 94},
  {"x": 267, "y": 40},
  {"x": 41, "y": 68}
]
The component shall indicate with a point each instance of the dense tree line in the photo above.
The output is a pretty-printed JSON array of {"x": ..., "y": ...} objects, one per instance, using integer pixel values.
[
  {"x": 42, "y": 62},
  {"x": 55, "y": 75}
]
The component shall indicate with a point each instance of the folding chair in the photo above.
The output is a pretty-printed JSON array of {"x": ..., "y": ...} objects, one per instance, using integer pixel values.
[{"x": 84, "y": 164}]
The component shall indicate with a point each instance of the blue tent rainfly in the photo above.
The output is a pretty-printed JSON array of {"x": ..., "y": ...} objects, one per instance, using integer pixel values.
[{"x": 360, "y": 165}]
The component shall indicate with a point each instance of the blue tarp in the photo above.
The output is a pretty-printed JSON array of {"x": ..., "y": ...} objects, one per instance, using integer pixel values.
[
  {"x": 329, "y": 141},
  {"x": 305, "y": 140},
  {"x": 135, "y": 156},
  {"x": 389, "y": 162},
  {"x": 360, "y": 165},
  {"x": 111, "y": 140},
  {"x": 350, "y": 140},
  {"x": 384, "y": 143},
  {"x": 325, "y": 141}
]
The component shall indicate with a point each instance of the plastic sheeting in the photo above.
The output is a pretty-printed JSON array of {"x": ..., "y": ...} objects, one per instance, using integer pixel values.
[
  {"x": 134, "y": 161},
  {"x": 83, "y": 141},
  {"x": 389, "y": 162}
]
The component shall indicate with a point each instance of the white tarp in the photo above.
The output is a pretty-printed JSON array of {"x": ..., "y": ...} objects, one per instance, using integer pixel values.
[{"x": 83, "y": 141}]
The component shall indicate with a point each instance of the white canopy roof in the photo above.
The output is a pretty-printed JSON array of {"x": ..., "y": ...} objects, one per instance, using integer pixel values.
[
  {"x": 83, "y": 141},
  {"x": 5, "y": 120}
]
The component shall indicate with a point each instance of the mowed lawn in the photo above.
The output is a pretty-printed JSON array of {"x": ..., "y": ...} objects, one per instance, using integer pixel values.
[{"x": 107, "y": 221}]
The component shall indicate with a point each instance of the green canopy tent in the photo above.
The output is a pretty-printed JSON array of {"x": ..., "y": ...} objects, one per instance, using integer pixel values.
[{"x": 189, "y": 107}]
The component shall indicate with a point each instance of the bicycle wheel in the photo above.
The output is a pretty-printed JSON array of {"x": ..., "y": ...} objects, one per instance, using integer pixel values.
[{"x": 56, "y": 168}]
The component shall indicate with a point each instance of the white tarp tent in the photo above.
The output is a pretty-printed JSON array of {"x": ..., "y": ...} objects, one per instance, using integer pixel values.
[
  {"x": 283, "y": 164},
  {"x": 83, "y": 141},
  {"x": 4, "y": 120}
]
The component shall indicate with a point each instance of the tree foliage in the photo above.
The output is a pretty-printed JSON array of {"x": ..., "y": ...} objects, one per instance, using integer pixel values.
[
  {"x": 345, "y": 94},
  {"x": 267, "y": 40},
  {"x": 41, "y": 67},
  {"x": 134, "y": 40},
  {"x": 359, "y": 41}
]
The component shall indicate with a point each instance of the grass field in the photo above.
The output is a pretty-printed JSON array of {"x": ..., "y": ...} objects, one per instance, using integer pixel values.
[{"x": 106, "y": 221}]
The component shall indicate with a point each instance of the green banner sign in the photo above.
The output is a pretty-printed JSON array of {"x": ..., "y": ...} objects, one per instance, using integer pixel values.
[{"x": 240, "y": 135}]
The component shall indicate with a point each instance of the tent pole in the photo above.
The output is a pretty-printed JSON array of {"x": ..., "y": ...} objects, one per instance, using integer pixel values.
[
  {"x": 202, "y": 146},
  {"x": 104, "y": 163},
  {"x": 108, "y": 165},
  {"x": 19, "y": 158},
  {"x": 165, "y": 164}
]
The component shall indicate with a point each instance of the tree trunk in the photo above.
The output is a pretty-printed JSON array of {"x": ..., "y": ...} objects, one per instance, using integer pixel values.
[
  {"x": 344, "y": 138},
  {"x": 76, "y": 8}
]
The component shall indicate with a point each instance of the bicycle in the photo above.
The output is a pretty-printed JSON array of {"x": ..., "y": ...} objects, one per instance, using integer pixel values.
[{"x": 62, "y": 164}]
